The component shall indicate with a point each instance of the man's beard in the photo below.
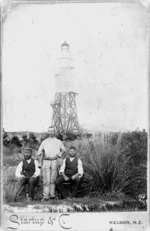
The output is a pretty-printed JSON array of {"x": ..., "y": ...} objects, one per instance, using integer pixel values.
[{"x": 27, "y": 157}]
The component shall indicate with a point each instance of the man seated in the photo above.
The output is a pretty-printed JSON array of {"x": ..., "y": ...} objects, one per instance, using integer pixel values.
[
  {"x": 28, "y": 172},
  {"x": 71, "y": 171}
]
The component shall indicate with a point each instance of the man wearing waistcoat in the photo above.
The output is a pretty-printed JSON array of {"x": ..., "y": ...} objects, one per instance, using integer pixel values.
[
  {"x": 28, "y": 172},
  {"x": 51, "y": 149},
  {"x": 71, "y": 171}
]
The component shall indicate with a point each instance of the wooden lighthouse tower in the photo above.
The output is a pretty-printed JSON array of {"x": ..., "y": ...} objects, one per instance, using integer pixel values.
[{"x": 65, "y": 119}]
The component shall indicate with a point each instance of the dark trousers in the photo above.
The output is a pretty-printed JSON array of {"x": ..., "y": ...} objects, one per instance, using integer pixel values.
[
  {"x": 62, "y": 188},
  {"x": 32, "y": 182}
]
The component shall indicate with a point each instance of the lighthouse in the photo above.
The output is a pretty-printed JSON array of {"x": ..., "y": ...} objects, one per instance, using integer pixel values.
[
  {"x": 64, "y": 70},
  {"x": 65, "y": 119}
]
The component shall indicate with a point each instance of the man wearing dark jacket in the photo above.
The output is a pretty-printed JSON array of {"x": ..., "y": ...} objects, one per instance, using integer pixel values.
[
  {"x": 28, "y": 172},
  {"x": 71, "y": 171}
]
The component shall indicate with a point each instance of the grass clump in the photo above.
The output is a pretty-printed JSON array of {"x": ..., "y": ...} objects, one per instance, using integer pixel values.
[{"x": 110, "y": 171}]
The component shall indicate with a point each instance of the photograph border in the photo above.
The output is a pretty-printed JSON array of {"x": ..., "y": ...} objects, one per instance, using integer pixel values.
[{"x": 10, "y": 4}]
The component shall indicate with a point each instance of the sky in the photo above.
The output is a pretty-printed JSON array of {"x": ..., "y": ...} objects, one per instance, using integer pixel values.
[{"x": 108, "y": 44}]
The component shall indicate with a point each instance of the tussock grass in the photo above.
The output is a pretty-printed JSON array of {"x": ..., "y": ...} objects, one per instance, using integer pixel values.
[
  {"x": 108, "y": 170},
  {"x": 12, "y": 160},
  {"x": 9, "y": 183}
]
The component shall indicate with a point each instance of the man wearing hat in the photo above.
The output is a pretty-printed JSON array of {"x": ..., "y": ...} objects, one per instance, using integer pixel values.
[
  {"x": 51, "y": 149},
  {"x": 28, "y": 172},
  {"x": 70, "y": 171}
]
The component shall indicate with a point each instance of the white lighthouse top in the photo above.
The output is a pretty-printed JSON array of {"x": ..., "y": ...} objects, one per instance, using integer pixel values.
[
  {"x": 65, "y": 45},
  {"x": 63, "y": 74},
  {"x": 65, "y": 56}
]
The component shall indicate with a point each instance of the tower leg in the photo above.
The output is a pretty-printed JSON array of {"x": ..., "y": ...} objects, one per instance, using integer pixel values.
[{"x": 65, "y": 113}]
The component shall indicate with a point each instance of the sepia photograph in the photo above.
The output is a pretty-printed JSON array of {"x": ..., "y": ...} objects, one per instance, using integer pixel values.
[{"x": 75, "y": 126}]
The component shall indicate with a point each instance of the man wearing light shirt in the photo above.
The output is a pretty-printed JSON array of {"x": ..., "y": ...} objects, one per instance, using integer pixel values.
[
  {"x": 28, "y": 172},
  {"x": 51, "y": 149},
  {"x": 70, "y": 171}
]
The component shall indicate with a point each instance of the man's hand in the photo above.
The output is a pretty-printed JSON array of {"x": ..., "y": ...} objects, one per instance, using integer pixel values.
[
  {"x": 66, "y": 178},
  {"x": 34, "y": 176},
  {"x": 20, "y": 177},
  {"x": 74, "y": 176},
  {"x": 58, "y": 156}
]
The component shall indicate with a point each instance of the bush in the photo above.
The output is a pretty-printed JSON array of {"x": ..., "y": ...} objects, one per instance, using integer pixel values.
[
  {"x": 71, "y": 136},
  {"x": 25, "y": 138},
  {"x": 6, "y": 139},
  {"x": 135, "y": 144},
  {"x": 32, "y": 137},
  {"x": 111, "y": 171},
  {"x": 15, "y": 140}
]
